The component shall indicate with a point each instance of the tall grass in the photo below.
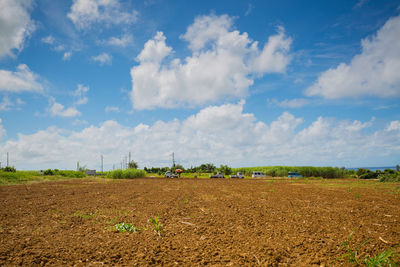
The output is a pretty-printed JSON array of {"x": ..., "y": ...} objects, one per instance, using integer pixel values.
[
  {"x": 306, "y": 171},
  {"x": 20, "y": 177},
  {"x": 126, "y": 174}
]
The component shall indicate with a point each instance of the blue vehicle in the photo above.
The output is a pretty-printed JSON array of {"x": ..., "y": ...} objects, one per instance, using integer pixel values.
[{"x": 294, "y": 175}]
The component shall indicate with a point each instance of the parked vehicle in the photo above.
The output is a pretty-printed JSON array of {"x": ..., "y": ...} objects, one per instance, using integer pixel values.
[
  {"x": 218, "y": 175},
  {"x": 258, "y": 175},
  {"x": 294, "y": 175},
  {"x": 169, "y": 174},
  {"x": 238, "y": 175}
]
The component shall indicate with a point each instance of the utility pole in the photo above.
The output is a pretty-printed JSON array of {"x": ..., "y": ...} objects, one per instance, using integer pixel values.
[
  {"x": 129, "y": 158},
  {"x": 101, "y": 163},
  {"x": 77, "y": 166},
  {"x": 173, "y": 159}
]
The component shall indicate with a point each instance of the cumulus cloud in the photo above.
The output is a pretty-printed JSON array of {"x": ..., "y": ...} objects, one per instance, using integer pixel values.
[
  {"x": 102, "y": 58},
  {"x": 222, "y": 64},
  {"x": 220, "y": 134},
  {"x": 84, "y": 13},
  {"x": 58, "y": 110},
  {"x": 374, "y": 72},
  {"x": 21, "y": 80},
  {"x": 122, "y": 41},
  {"x": 15, "y": 25}
]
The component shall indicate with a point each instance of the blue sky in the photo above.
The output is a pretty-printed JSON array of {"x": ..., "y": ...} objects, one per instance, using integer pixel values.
[{"x": 243, "y": 83}]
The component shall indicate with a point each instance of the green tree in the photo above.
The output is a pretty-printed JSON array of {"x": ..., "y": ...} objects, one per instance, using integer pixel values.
[
  {"x": 133, "y": 165},
  {"x": 225, "y": 169}
]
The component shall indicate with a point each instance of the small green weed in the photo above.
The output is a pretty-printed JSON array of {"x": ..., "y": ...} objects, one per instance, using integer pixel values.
[
  {"x": 158, "y": 227},
  {"x": 357, "y": 195},
  {"x": 125, "y": 227},
  {"x": 186, "y": 200},
  {"x": 385, "y": 258},
  {"x": 352, "y": 254}
]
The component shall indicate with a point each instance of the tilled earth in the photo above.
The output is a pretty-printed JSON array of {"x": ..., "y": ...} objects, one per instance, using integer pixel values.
[{"x": 223, "y": 222}]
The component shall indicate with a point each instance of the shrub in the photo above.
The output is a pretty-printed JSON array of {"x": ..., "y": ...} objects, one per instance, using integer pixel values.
[
  {"x": 389, "y": 177},
  {"x": 369, "y": 175},
  {"x": 48, "y": 172},
  {"x": 127, "y": 174},
  {"x": 9, "y": 169}
]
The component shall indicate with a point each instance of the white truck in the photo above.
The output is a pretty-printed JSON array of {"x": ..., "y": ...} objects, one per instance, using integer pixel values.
[
  {"x": 218, "y": 175},
  {"x": 237, "y": 175},
  {"x": 169, "y": 174}
]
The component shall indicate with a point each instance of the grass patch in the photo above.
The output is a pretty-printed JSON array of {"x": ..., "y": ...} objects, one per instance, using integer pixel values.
[
  {"x": 126, "y": 174},
  {"x": 23, "y": 177}
]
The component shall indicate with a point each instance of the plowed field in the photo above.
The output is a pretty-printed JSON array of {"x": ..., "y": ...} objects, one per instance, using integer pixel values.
[{"x": 224, "y": 222}]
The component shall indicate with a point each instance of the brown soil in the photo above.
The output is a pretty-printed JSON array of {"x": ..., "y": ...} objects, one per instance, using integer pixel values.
[{"x": 206, "y": 222}]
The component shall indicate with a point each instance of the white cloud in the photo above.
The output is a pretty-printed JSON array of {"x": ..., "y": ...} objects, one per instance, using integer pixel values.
[
  {"x": 394, "y": 126},
  {"x": 112, "y": 109},
  {"x": 80, "y": 94},
  {"x": 48, "y": 40},
  {"x": 374, "y": 72},
  {"x": 22, "y": 80},
  {"x": 2, "y": 130},
  {"x": 60, "y": 48},
  {"x": 289, "y": 103},
  {"x": 250, "y": 8},
  {"x": 219, "y": 134},
  {"x": 274, "y": 56},
  {"x": 222, "y": 64},
  {"x": 67, "y": 55},
  {"x": 7, "y": 104},
  {"x": 58, "y": 110},
  {"x": 102, "y": 58},
  {"x": 122, "y": 41},
  {"x": 15, "y": 25},
  {"x": 84, "y": 13}
]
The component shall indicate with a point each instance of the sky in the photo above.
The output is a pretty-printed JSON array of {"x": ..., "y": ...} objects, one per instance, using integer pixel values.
[{"x": 239, "y": 83}]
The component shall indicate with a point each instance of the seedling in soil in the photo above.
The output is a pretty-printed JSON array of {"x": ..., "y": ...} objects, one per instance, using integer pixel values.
[
  {"x": 158, "y": 227},
  {"x": 125, "y": 227},
  {"x": 186, "y": 200},
  {"x": 357, "y": 195}
]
